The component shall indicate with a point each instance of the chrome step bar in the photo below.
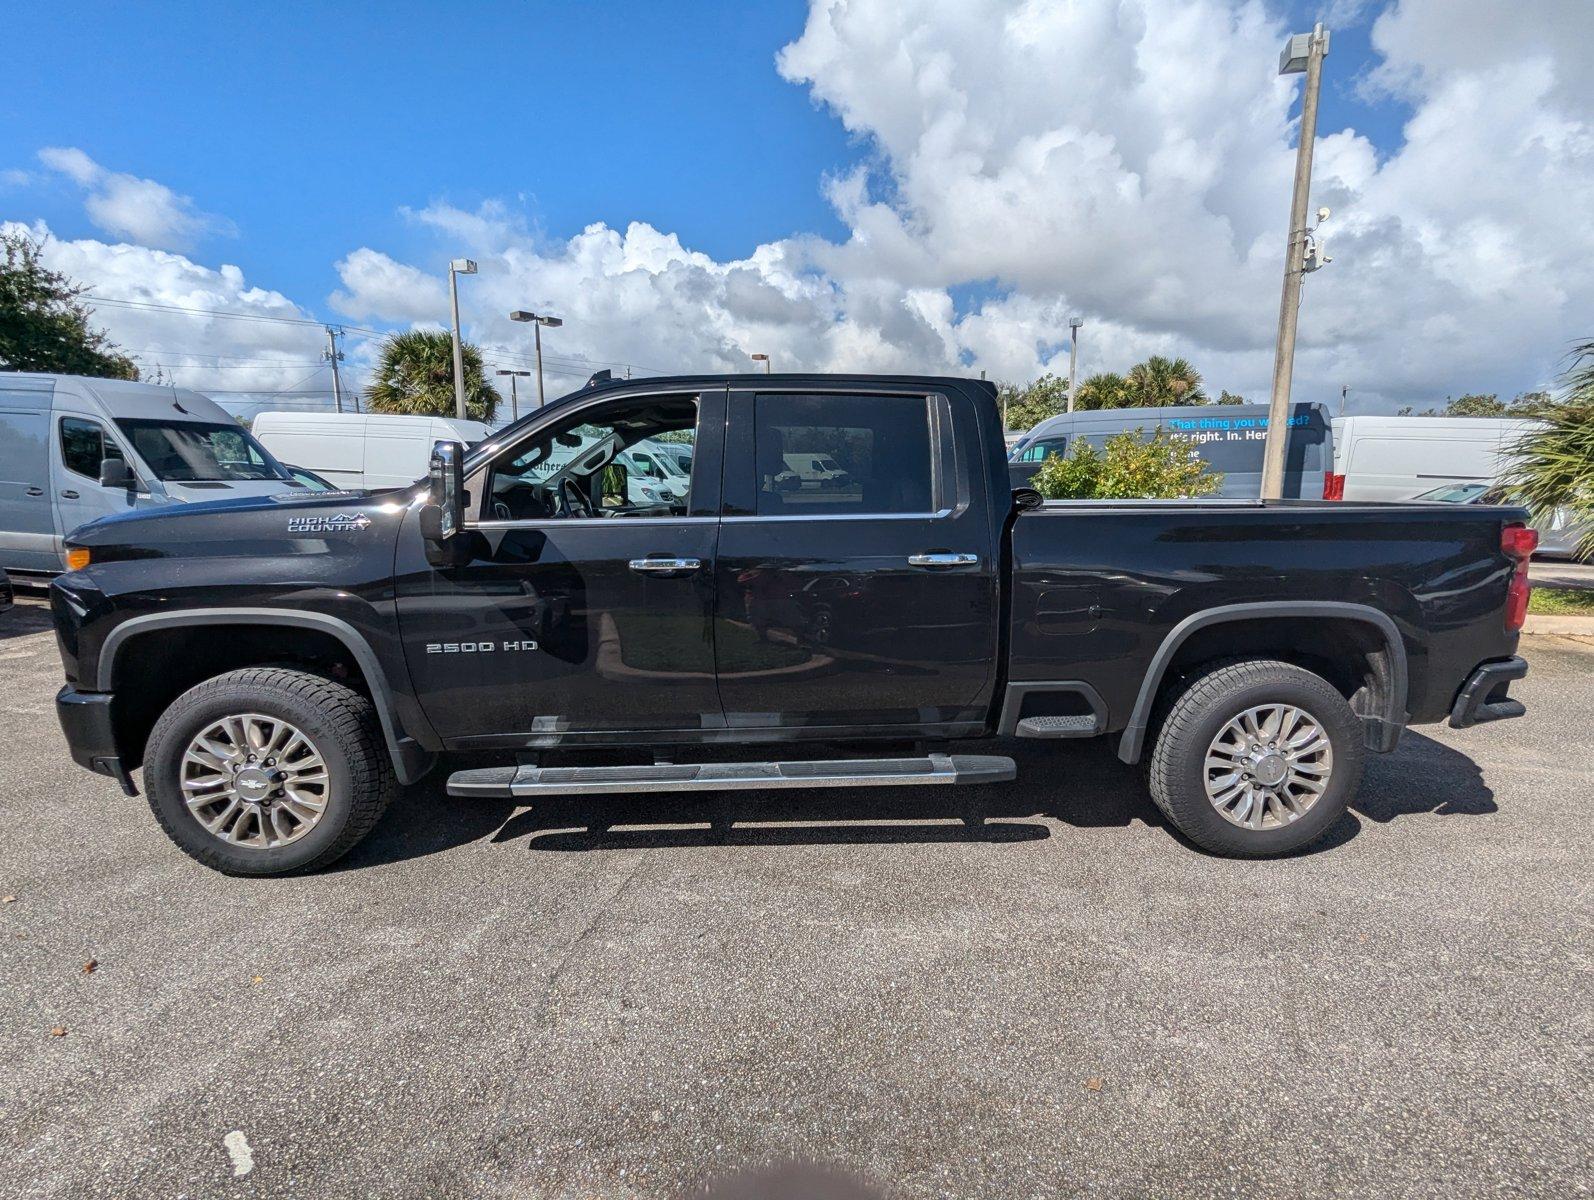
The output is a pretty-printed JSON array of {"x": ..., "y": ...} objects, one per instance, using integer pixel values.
[{"x": 501, "y": 783}]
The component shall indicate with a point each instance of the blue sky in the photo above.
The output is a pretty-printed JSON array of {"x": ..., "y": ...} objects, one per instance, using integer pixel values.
[
  {"x": 340, "y": 154},
  {"x": 309, "y": 126}
]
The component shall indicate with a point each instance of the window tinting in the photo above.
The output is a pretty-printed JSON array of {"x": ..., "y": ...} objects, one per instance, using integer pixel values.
[
  {"x": 197, "y": 451},
  {"x": 606, "y": 462},
  {"x": 1040, "y": 448},
  {"x": 841, "y": 455},
  {"x": 83, "y": 445}
]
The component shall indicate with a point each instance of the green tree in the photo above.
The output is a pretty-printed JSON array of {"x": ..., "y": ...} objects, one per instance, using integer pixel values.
[
  {"x": 43, "y": 324},
  {"x": 1475, "y": 404},
  {"x": 1229, "y": 397},
  {"x": 1027, "y": 406},
  {"x": 416, "y": 377},
  {"x": 1131, "y": 466},
  {"x": 1553, "y": 464},
  {"x": 1105, "y": 389},
  {"x": 1161, "y": 381}
]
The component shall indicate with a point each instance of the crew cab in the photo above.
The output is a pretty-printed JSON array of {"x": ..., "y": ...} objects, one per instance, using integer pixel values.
[{"x": 277, "y": 665}]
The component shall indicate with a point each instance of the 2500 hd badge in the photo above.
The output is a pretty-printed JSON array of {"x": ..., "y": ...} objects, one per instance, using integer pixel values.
[{"x": 476, "y": 647}]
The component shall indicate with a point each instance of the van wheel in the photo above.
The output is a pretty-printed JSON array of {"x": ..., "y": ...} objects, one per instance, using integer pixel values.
[
  {"x": 1256, "y": 758},
  {"x": 267, "y": 770}
]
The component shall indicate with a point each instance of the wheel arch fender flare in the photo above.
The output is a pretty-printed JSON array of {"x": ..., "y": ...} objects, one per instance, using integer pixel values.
[
  {"x": 410, "y": 759},
  {"x": 1384, "y": 728}
]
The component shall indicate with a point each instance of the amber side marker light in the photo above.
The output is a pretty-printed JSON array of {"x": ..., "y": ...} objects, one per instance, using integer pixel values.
[{"x": 77, "y": 558}]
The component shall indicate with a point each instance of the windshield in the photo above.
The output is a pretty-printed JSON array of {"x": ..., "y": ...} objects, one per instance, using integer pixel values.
[
  {"x": 199, "y": 452},
  {"x": 1456, "y": 493}
]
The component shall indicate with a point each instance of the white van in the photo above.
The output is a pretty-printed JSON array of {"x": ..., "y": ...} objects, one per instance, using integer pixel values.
[
  {"x": 73, "y": 449},
  {"x": 361, "y": 450},
  {"x": 1399, "y": 458}
]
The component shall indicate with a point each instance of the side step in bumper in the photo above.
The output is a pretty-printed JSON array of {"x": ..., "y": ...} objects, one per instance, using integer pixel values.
[{"x": 515, "y": 782}]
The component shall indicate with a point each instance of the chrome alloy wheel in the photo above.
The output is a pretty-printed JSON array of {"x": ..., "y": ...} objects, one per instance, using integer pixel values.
[
  {"x": 1268, "y": 766},
  {"x": 255, "y": 781}
]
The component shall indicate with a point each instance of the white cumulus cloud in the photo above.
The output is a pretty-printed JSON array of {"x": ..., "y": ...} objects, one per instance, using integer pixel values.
[{"x": 140, "y": 210}]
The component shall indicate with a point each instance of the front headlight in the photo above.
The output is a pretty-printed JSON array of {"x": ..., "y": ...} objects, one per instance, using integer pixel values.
[{"x": 649, "y": 493}]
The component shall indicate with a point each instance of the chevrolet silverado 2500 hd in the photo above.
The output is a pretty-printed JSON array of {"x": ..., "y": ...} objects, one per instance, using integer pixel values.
[{"x": 278, "y": 664}]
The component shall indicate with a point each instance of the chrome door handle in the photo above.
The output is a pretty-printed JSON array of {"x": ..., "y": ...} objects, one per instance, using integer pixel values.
[
  {"x": 35, "y": 491},
  {"x": 69, "y": 495},
  {"x": 662, "y": 565},
  {"x": 942, "y": 560}
]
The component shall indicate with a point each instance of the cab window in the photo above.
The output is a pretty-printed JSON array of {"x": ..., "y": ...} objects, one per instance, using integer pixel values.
[
  {"x": 842, "y": 455},
  {"x": 596, "y": 463},
  {"x": 1042, "y": 448},
  {"x": 84, "y": 445}
]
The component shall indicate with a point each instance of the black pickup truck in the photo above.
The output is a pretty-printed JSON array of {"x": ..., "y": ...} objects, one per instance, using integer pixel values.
[{"x": 843, "y": 585}]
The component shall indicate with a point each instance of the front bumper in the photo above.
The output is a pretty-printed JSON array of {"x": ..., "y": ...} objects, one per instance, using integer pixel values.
[
  {"x": 90, "y": 734},
  {"x": 1483, "y": 697}
]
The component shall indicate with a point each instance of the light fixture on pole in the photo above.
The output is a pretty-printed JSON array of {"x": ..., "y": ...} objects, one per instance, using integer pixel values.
[
  {"x": 1303, "y": 52},
  {"x": 763, "y": 358},
  {"x": 514, "y": 395},
  {"x": 1073, "y": 357},
  {"x": 537, "y": 323},
  {"x": 456, "y": 268}
]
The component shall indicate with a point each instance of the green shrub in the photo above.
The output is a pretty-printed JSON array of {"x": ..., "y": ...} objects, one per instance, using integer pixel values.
[{"x": 1131, "y": 466}]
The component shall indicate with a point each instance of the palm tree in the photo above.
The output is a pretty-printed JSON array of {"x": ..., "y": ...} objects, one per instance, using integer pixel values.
[
  {"x": 1554, "y": 462},
  {"x": 1105, "y": 389},
  {"x": 1162, "y": 381},
  {"x": 416, "y": 377}
]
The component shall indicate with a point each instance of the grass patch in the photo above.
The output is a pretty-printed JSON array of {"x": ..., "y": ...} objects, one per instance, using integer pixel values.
[{"x": 1562, "y": 602}]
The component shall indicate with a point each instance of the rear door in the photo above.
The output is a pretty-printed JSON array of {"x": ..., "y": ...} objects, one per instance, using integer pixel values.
[
  {"x": 28, "y": 540},
  {"x": 864, "y": 599}
]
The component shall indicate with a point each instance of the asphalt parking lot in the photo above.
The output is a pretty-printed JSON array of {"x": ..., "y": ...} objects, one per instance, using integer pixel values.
[{"x": 617, "y": 999}]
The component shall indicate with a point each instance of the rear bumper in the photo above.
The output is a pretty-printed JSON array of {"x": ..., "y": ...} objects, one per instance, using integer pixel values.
[
  {"x": 1483, "y": 697},
  {"x": 90, "y": 735}
]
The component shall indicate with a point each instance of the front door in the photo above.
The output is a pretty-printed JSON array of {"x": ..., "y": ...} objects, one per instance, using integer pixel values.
[
  {"x": 857, "y": 577},
  {"x": 82, "y": 443},
  {"x": 583, "y": 613}
]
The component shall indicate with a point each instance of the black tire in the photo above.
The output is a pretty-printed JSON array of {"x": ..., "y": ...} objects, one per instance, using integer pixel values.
[
  {"x": 340, "y": 722},
  {"x": 1207, "y": 703}
]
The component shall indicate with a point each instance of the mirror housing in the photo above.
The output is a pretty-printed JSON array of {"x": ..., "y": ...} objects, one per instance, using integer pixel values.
[
  {"x": 115, "y": 473},
  {"x": 443, "y": 515}
]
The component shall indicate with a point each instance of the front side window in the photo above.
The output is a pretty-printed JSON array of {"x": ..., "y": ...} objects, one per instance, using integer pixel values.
[
  {"x": 84, "y": 446},
  {"x": 200, "y": 452},
  {"x": 842, "y": 455},
  {"x": 596, "y": 463}
]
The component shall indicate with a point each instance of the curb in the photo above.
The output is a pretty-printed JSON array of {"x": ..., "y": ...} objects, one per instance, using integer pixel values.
[{"x": 1559, "y": 626}]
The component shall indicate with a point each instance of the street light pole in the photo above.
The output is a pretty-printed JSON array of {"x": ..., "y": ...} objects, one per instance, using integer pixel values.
[
  {"x": 514, "y": 394},
  {"x": 1073, "y": 357},
  {"x": 763, "y": 358},
  {"x": 1303, "y": 52},
  {"x": 537, "y": 322},
  {"x": 456, "y": 268}
]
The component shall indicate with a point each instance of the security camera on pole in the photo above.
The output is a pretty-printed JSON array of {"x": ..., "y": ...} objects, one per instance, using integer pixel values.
[{"x": 1303, "y": 52}]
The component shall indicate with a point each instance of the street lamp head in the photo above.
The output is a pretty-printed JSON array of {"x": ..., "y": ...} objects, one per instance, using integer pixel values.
[
  {"x": 523, "y": 316},
  {"x": 759, "y": 357},
  {"x": 1298, "y": 50},
  {"x": 551, "y": 322},
  {"x": 506, "y": 371},
  {"x": 462, "y": 266},
  {"x": 1075, "y": 322}
]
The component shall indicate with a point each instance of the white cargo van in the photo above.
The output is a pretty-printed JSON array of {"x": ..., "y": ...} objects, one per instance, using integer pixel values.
[
  {"x": 361, "y": 450},
  {"x": 73, "y": 449},
  {"x": 1398, "y": 458}
]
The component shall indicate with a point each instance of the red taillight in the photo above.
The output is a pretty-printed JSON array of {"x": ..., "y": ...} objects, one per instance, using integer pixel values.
[
  {"x": 1333, "y": 486},
  {"x": 1518, "y": 542}
]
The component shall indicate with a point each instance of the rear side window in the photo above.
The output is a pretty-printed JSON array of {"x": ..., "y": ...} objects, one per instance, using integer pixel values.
[
  {"x": 84, "y": 445},
  {"x": 1041, "y": 448},
  {"x": 842, "y": 455}
]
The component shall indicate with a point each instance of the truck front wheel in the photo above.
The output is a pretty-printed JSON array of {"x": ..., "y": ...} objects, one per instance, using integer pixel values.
[
  {"x": 267, "y": 770},
  {"x": 1256, "y": 758}
]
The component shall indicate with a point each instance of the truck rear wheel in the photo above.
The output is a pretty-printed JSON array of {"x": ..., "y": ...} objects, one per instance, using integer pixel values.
[
  {"x": 1256, "y": 758},
  {"x": 266, "y": 770}
]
